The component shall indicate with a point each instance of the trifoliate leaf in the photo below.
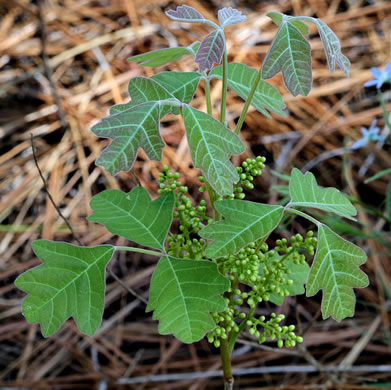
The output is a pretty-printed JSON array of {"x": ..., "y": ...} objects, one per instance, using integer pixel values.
[
  {"x": 211, "y": 50},
  {"x": 291, "y": 54},
  {"x": 332, "y": 47},
  {"x": 184, "y": 13},
  {"x": 305, "y": 192},
  {"x": 229, "y": 16},
  {"x": 164, "y": 56},
  {"x": 298, "y": 273},
  {"x": 336, "y": 271},
  {"x": 210, "y": 145},
  {"x": 182, "y": 295},
  {"x": 134, "y": 125},
  {"x": 180, "y": 84},
  {"x": 70, "y": 282},
  {"x": 134, "y": 215},
  {"x": 244, "y": 222},
  {"x": 241, "y": 78}
]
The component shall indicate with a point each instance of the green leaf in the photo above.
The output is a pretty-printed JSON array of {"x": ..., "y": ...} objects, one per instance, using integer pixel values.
[
  {"x": 291, "y": 54},
  {"x": 211, "y": 50},
  {"x": 183, "y": 293},
  {"x": 244, "y": 222},
  {"x": 332, "y": 47},
  {"x": 241, "y": 78},
  {"x": 70, "y": 282},
  {"x": 305, "y": 192},
  {"x": 180, "y": 84},
  {"x": 210, "y": 145},
  {"x": 134, "y": 215},
  {"x": 335, "y": 269},
  {"x": 134, "y": 125},
  {"x": 278, "y": 18},
  {"x": 297, "y": 272},
  {"x": 164, "y": 56}
]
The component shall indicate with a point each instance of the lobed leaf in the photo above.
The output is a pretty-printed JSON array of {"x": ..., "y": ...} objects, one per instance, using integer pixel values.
[
  {"x": 182, "y": 85},
  {"x": 229, "y": 16},
  {"x": 305, "y": 192},
  {"x": 134, "y": 125},
  {"x": 211, "y": 50},
  {"x": 182, "y": 295},
  {"x": 336, "y": 271},
  {"x": 134, "y": 215},
  {"x": 291, "y": 54},
  {"x": 297, "y": 272},
  {"x": 244, "y": 222},
  {"x": 241, "y": 78},
  {"x": 184, "y": 13},
  {"x": 70, "y": 282},
  {"x": 164, "y": 56},
  {"x": 210, "y": 145},
  {"x": 332, "y": 47}
]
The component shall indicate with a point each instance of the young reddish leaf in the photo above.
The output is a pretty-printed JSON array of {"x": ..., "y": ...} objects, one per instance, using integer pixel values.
[
  {"x": 229, "y": 16},
  {"x": 211, "y": 50},
  {"x": 184, "y": 13}
]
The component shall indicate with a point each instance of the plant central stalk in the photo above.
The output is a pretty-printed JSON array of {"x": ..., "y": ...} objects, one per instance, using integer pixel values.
[{"x": 225, "y": 355}]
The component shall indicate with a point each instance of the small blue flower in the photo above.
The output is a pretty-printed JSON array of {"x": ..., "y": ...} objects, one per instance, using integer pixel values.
[
  {"x": 380, "y": 77},
  {"x": 371, "y": 134}
]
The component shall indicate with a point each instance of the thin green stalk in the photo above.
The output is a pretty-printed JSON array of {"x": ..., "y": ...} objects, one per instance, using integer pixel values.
[
  {"x": 304, "y": 215},
  {"x": 225, "y": 355},
  {"x": 248, "y": 102},
  {"x": 138, "y": 250},
  {"x": 224, "y": 88},
  {"x": 233, "y": 337},
  {"x": 385, "y": 113},
  {"x": 207, "y": 96}
]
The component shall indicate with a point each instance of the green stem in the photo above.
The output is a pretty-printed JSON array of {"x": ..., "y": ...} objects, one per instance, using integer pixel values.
[
  {"x": 213, "y": 197},
  {"x": 233, "y": 337},
  {"x": 385, "y": 113},
  {"x": 224, "y": 89},
  {"x": 138, "y": 250},
  {"x": 225, "y": 355},
  {"x": 207, "y": 95},
  {"x": 248, "y": 102},
  {"x": 304, "y": 215}
]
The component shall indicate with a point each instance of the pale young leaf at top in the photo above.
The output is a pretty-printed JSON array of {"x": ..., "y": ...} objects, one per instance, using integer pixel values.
[
  {"x": 134, "y": 125},
  {"x": 298, "y": 273},
  {"x": 241, "y": 78},
  {"x": 305, "y": 192},
  {"x": 184, "y": 13},
  {"x": 229, "y": 16},
  {"x": 180, "y": 84},
  {"x": 290, "y": 53},
  {"x": 69, "y": 283},
  {"x": 244, "y": 222},
  {"x": 164, "y": 56},
  {"x": 332, "y": 47},
  {"x": 182, "y": 295},
  {"x": 336, "y": 271},
  {"x": 211, "y": 51},
  {"x": 134, "y": 215},
  {"x": 210, "y": 145}
]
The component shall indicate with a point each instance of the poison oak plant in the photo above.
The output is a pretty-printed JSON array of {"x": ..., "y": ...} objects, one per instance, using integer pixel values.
[{"x": 217, "y": 267}]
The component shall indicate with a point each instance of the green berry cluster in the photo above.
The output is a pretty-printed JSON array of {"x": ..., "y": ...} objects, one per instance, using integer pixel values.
[
  {"x": 250, "y": 169},
  {"x": 284, "y": 335},
  {"x": 169, "y": 181},
  {"x": 297, "y": 242}
]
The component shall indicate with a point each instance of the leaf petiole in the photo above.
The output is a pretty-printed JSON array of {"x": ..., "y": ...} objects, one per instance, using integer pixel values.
[{"x": 138, "y": 250}]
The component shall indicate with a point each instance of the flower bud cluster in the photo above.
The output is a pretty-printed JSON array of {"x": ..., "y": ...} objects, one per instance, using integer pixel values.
[
  {"x": 272, "y": 330},
  {"x": 169, "y": 182}
]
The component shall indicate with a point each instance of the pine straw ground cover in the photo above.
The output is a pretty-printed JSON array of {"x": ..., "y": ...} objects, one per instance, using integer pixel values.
[{"x": 85, "y": 45}]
